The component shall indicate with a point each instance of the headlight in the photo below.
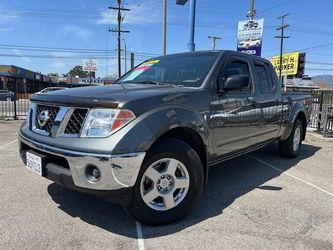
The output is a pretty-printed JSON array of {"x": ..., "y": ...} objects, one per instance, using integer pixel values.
[
  {"x": 27, "y": 118},
  {"x": 104, "y": 122}
]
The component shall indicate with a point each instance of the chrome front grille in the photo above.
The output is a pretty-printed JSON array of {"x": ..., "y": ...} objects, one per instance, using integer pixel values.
[
  {"x": 75, "y": 123},
  {"x": 45, "y": 116},
  {"x": 57, "y": 121}
]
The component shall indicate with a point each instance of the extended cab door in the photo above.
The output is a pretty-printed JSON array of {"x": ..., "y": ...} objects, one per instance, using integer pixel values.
[
  {"x": 235, "y": 115},
  {"x": 269, "y": 100}
]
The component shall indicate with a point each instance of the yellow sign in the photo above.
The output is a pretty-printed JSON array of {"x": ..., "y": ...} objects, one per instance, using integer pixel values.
[{"x": 289, "y": 63}]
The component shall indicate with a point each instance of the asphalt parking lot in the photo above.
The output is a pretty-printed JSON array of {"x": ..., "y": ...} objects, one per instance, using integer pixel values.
[{"x": 256, "y": 201}]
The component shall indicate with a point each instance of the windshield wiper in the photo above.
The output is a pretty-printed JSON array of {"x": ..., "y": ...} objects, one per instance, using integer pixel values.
[{"x": 150, "y": 82}]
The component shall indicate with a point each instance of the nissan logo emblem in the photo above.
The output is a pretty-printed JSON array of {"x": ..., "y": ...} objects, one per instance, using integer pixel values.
[{"x": 43, "y": 118}]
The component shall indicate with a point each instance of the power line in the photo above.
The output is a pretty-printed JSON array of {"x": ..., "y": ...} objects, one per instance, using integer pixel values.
[
  {"x": 64, "y": 57},
  {"x": 317, "y": 46},
  {"x": 319, "y": 63},
  {"x": 313, "y": 69},
  {"x": 64, "y": 49},
  {"x": 310, "y": 48},
  {"x": 274, "y": 6}
]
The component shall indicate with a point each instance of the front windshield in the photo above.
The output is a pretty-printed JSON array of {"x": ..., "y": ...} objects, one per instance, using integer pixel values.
[{"x": 187, "y": 70}]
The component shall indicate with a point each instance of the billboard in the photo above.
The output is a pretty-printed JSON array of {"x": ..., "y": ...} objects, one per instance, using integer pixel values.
[
  {"x": 250, "y": 36},
  {"x": 90, "y": 65},
  {"x": 289, "y": 63}
]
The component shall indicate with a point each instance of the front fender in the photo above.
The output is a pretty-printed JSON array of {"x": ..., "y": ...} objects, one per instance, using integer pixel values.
[{"x": 139, "y": 135}]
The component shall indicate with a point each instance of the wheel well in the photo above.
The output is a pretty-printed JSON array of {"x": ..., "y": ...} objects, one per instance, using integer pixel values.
[
  {"x": 193, "y": 139},
  {"x": 301, "y": 117}
]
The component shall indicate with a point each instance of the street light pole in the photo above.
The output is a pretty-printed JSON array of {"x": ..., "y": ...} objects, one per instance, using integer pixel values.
[
  {"x": 164, "y": 27},
  {"x": 125, "y": 51},
  {"x": 191, "y": 44}
]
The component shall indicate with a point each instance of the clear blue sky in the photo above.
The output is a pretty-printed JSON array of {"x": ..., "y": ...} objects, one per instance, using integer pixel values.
[{"x": 83, "y": 24}]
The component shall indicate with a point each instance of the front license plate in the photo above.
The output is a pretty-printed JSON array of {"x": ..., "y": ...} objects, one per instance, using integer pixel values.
[{"x": 34, "y": 163}]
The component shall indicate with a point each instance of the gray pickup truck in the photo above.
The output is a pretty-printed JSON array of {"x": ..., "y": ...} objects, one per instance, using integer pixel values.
[{"x": 147, "y": 141}]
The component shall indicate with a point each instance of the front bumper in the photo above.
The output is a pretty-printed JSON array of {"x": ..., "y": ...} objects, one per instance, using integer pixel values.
[{"x": 117, "y": 171}]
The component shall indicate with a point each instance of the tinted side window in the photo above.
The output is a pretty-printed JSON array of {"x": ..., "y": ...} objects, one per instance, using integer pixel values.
[
  {"x": 237, "y": 68},
  {"x": 264, "y": 81},
  {"x": 271, "y": 72}
]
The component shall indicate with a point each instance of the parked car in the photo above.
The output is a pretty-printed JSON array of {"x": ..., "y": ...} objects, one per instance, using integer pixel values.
[
  {"x": 250, "y": 42},
  {"x": 49, "y": 89},
  {"x": 148, "y": 141},
  {"x": 6, "y": 95}
]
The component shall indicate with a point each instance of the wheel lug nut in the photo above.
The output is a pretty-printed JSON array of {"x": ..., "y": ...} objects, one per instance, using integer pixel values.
[
  {"x": 162, "y": 177},
  {"x": 165, "y": 189},
  {"x": 159, "y": 188},
  {"x": 158, "y": 182},
  {"x": 168, "y": 177}
]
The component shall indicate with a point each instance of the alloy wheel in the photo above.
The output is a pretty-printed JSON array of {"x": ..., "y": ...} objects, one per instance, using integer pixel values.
[{"x": 164, "y": 184}]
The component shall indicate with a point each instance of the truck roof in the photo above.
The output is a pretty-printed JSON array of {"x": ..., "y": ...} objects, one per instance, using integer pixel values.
[{"x": 220, "y": 52}]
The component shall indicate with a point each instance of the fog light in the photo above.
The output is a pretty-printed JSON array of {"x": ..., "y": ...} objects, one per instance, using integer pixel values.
[{"x": 93, "y": 173}]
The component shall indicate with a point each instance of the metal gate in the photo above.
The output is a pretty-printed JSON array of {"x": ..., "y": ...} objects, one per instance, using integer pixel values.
[
  {"x": 322, "y": 111},
  {"x": 14, "y": 98}
]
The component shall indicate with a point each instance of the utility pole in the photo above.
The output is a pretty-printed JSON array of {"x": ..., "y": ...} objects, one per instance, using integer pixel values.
[
  {"x": 119, "y": 31},
  {"x": 164, "y": 27},
  {"x": 282, "y": 37},
  {"x": 132, "y": 60},
  {"x": 251, "y": 14},
  {"x": 214, "y": 39},
  {"x": 125, "y": 52},
  {"x": 107, "y": 54}
]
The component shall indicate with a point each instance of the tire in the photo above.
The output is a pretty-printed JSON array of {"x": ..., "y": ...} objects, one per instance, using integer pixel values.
[
  {"x": 8, "y": 98},
  {"x": 187, "y": 172},
  {"x": 291, "y": 146}
]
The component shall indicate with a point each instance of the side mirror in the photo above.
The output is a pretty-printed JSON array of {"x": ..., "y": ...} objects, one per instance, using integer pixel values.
[{"x": 235, "y": 82}]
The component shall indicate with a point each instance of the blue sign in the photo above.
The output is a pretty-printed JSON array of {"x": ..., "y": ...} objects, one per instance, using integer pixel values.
[{"x": 250, "y": 36}]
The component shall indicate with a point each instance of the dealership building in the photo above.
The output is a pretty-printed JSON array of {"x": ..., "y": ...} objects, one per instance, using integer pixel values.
[{"x": 22, "y": 81}]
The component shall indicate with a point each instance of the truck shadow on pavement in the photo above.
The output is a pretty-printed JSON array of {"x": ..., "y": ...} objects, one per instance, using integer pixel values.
[{"x": 227, "y": 182}]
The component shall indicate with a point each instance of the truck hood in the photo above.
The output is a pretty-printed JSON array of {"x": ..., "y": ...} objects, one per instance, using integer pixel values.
[{"x": 111, "y": 96}]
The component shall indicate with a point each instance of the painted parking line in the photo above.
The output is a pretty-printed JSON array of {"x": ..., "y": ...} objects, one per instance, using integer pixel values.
[
  {"x": 7, "y": 144},
  {"x": 141, "y": 244},
  {"x": 293, "y": 176}
]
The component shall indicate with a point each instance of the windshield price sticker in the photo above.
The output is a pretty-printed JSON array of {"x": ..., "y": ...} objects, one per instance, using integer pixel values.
[
  {"x": 150, "y": 62},
  {"x": 139, "y": 70}
]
